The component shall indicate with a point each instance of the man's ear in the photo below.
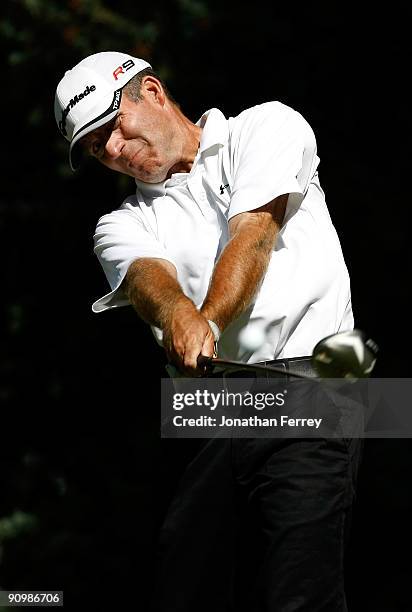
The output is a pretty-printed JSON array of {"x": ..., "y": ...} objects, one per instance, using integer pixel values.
[{"x": 152, "y": 88}]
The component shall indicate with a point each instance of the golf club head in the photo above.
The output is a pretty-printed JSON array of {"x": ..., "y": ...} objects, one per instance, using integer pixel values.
[{"x": 348, "y": 354}]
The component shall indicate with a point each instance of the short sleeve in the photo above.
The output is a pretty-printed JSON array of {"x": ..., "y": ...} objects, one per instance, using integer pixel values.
[
  {"x": 121, "y": 237},
  {"x": 267, "y": 147}
]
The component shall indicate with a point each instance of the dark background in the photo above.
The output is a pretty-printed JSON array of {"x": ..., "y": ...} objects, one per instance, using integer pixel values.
[{"x": 79, "y": 475}]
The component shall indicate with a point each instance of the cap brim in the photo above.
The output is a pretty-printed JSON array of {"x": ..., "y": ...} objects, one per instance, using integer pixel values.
[{"x": 102, "y": 113}]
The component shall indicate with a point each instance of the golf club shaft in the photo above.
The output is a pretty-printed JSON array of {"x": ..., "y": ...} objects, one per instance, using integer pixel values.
[{"x": 210, "y": 362}]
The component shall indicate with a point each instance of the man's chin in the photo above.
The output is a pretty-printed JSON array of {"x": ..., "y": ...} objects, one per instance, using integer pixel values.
[
  {"x": 150, "y": 180},
  {"x": 151, "y": 177}
]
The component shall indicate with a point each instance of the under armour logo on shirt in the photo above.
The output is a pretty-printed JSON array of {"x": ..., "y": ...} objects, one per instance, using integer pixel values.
[{"x": 222, "y": 188}]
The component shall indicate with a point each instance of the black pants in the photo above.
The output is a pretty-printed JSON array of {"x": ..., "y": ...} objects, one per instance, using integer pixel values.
[
  {"x": 261, "y": 524},
  {"x": 258, "y": 525}
]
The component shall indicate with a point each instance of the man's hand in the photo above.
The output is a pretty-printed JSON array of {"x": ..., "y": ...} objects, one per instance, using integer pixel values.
[
  {"x": 186, "y": 336},
  {"x": 153, "y": 289}
]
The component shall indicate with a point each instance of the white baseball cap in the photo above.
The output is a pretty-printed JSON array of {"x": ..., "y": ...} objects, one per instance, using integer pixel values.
[{"x": 89, "y": 94}]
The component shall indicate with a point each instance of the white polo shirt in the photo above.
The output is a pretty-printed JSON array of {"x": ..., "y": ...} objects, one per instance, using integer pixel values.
[{"x": 242, "y": 163}]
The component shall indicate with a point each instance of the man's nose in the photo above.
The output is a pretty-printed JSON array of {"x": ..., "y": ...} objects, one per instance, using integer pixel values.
[{"x": 113, "y": 146}]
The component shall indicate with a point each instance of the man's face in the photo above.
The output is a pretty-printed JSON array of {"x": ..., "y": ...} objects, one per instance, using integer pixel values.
[{"x": 141, "y": 141}]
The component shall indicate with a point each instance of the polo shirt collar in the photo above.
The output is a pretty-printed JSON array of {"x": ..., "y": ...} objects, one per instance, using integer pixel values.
[{"x": 215, "y": 129}]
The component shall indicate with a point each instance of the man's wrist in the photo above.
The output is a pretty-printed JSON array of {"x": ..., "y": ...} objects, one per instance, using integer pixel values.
[{"x": 176, "y": 305}]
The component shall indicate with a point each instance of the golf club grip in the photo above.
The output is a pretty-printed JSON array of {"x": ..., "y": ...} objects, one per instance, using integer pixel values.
[{"x": 204, "y": 361}]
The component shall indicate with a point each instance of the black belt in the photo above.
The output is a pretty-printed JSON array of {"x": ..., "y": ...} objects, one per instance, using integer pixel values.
[{"x": 295, "y": 365}]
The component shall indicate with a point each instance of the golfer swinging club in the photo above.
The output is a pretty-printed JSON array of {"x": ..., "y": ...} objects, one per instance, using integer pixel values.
[{"x": 227, "y": 231}]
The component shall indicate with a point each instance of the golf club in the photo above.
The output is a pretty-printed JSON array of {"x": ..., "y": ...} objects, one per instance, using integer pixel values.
[{"x": 348, "y": 354}]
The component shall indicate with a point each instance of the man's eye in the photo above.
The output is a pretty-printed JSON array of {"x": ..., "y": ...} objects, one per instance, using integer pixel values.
[{"x": 96, "y": 148}]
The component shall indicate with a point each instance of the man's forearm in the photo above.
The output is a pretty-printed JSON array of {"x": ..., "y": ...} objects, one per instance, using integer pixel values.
[
  {"x": 154, "y": 291},
  {"x": 236, "y": 278},
  {"x": 243, "y": 263}
]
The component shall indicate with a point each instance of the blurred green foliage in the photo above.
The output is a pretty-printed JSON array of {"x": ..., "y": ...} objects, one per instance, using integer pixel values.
[{"x": 15, "y": 525}]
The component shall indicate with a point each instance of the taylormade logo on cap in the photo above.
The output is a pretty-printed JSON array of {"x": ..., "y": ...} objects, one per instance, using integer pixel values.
[
  {"x": 73, "y": 102},
  {"x": 89, "y": 95}
]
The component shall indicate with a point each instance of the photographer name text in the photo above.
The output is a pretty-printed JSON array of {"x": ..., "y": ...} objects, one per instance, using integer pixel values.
[{"x": 251, "y": 421}]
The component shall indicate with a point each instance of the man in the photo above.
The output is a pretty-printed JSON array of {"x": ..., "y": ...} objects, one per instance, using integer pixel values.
[{"x": 228, "y": 230}]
